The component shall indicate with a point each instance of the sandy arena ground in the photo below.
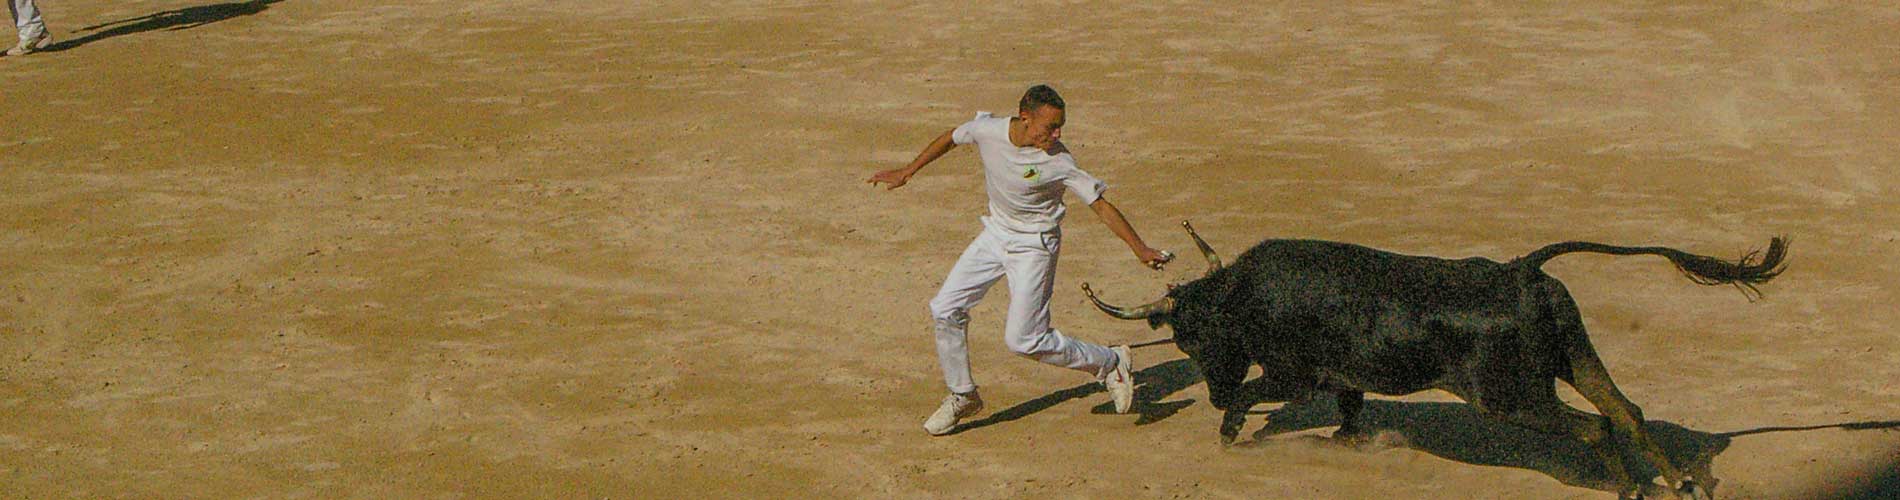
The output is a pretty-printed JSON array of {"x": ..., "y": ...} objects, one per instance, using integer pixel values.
[{"x": 503, "y": 248}]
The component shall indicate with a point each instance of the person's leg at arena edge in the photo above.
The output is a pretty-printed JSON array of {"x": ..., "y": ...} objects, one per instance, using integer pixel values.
[
  {"x": 979, "y": 267},
  {"x": 1030, "y": 265}
]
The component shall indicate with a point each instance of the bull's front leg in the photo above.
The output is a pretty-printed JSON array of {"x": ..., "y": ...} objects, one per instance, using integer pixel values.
[
  {"x": 1225, "y": 389},
  {"x": 1234, "y": 416},
  {"x": 1230, "y": 424},
  {"x": 1245, "y": 398}
]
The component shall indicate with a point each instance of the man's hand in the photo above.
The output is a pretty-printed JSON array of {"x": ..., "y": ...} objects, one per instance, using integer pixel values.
[
  {"x": 896, "y": 177},
  {"x": 1152, "y": 258}
]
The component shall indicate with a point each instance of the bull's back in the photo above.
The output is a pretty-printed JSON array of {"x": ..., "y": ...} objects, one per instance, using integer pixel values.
[{"x": 1359, "y": 271}]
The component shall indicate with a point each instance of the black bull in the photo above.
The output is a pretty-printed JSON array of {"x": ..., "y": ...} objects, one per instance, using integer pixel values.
[{"x": 1342, "y": 318}]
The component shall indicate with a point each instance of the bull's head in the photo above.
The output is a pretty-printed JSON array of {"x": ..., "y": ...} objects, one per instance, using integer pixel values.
[
  {"x": 1159, "y": 312},
  {"x": 1193, "y": 311}
]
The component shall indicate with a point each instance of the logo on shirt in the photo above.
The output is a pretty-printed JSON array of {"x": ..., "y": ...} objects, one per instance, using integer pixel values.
[{"x": 1029, "y": 174}]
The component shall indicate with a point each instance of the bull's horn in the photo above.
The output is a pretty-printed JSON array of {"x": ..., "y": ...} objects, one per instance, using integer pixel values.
[
  {"x": 1163, "y": 306},
  {"x": 1213, "y": 261}
]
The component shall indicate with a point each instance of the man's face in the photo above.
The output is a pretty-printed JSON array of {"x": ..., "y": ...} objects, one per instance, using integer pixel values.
[{"x": 1042, "y": 126}]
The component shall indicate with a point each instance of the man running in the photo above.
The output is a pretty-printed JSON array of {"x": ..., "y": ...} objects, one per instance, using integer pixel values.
[{"x": 1027, "y": 170}]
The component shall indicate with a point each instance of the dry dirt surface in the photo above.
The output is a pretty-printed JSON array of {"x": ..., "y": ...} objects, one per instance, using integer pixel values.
[{"x": 588, "y": 249}]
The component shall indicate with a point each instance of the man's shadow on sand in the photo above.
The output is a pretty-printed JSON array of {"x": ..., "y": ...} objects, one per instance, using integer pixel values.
[
  {"x": 171, "y": 20},
  {"x": 1453, "y": 431}
]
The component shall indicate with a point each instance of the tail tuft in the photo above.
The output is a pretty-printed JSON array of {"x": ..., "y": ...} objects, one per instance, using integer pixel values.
[{"x": 1754, "y": 268}]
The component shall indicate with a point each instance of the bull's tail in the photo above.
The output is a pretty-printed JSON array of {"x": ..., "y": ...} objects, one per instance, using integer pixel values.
[{"x": 1754, "y": 268}]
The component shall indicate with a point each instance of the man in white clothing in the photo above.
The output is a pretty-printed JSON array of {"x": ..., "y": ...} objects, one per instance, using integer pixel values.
[
  {"x": 33, "y": 35},
  {"x": 1026, "y": 170}
]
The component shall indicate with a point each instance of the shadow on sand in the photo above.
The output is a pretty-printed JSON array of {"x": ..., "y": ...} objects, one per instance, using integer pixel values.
[
  {"x": 1882, "y": 483},
  {"x": 1454, "y": 431},
  {"x": 171, "y": 20},
  {"x": 1151, "y": 385}
]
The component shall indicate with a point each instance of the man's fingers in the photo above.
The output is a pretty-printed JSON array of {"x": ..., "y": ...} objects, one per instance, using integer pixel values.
[
  {"x": 1161, "y": 260},
  {"x": 880, "y": 177}
]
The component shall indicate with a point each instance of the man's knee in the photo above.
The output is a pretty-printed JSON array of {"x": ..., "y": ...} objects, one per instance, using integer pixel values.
[
  {"x": 1032, "y": 345},
  {"x": 949, "y": 317}
]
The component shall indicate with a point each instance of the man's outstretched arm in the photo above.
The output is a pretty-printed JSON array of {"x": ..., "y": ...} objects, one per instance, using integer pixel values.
[
  {"x": 1119, "y": 225},
  {"x": 896, "y": 177}
]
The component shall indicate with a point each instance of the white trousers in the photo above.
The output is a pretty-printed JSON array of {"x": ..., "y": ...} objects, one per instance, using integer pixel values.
[
  {"x": 26, "y": 17},
  {"x": 1029, "y": 261}
]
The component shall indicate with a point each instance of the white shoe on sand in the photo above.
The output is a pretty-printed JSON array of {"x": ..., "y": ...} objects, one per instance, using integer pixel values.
[
  {"x": 31, "y": 45},
  {"x": 1120, "y": 383},
  {"x": 955, "y": 407}
]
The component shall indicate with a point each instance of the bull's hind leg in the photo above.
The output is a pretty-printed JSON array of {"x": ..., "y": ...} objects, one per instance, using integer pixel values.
[
  {"x": 1504, "y": 394},
  {"x": 1350, "y": 402},
  {"x": 1592, "y": 380},
  {"x": 1550, "y": 415}
]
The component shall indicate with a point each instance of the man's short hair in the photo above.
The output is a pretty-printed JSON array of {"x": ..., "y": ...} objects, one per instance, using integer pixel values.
[{"x": 1039, "y": 96}]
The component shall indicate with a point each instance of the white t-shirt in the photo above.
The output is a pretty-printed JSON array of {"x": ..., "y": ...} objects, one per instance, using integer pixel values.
[{"x": 1025, "y": 183}]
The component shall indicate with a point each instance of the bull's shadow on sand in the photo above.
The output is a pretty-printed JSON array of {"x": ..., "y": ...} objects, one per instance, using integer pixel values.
[
  {"x": 1454, "y": 431},
  {"x": 170, "y": 20}
]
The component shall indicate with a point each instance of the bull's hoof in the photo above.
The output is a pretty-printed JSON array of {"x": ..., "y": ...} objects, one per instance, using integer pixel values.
[{"x": 1230, "y": 424}]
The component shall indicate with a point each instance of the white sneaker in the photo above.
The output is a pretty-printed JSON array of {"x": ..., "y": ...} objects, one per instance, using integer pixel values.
[
  {"x": 30, "y": 46},
  {"x": 955, "y": 407},
  {"x": 1120, "y": 383}
]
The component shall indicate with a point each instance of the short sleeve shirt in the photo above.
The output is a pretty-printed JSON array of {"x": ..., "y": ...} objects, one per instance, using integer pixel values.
[{"x": 1025, "y": 184}]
